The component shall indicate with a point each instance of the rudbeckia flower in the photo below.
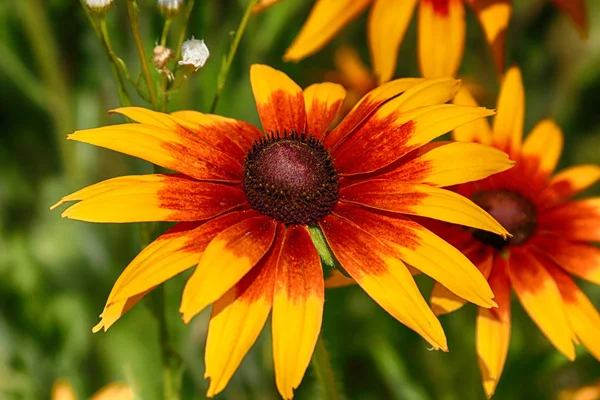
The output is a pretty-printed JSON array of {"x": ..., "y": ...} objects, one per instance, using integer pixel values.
[
  {"x": 576, "y": 9},
  {"x": 63, "y": 390},
  {"x": 550, "y": 242},
  {"x": 441, "y": 31},
  {"x": 247, "y": 200}
]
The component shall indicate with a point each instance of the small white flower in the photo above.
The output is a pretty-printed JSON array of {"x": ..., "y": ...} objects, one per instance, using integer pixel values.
[
  {"x": 194, "y": 52},
  {"x": 169, "y": 8},
  {"x": 99, "y": 6}
]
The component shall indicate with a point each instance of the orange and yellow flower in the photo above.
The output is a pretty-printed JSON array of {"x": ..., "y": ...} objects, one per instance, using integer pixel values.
[
  {"x": 551, "y": 236},
  {"x": 441, "y": 31},
  {"x": 63, "y": 390},
  {"x": 246, "y": 202}
]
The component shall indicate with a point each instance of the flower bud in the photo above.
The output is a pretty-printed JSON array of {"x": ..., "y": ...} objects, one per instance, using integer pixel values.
[
  {"x": 99, "y": 6},
  {"x": 194, "y": 52},
  {"x": 169, "y": 8}
]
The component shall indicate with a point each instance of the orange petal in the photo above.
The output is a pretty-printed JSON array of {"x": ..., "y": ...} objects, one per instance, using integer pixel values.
[
  {"x": 370, "y": 103},
  {"x": 383, "y": 276},
  {"x": 116, "y": 310},
  {"x": 544, "y": 144},
  {"x": 382, "y": 140},
  {"x": 577, "y": 11},
  {"x": 569, "y": 182},
  {"x": 326, "y": 19},
  {"x": 443, "y": 301},
  {"x": 574, "y": 221},
  {"x": 228, "y": 135},
  {"x": 493, "y": 329},
  {"x": 263, "y": 5},
  {"x": 238, "y": 317},
  {"x": 387, "y": 24},
  {"x": 323, "y": 101},
  {"x": 336, "y": 279},
  {"x": 441, "y": 37},
  {"x": 583, "y": 316},
  {"x": 177, "y": 149},
  {"x": 143, "y": 198},
  {"x": 578, "y": 258},
  {"x": 114, "y": 391},
  {"x": 422, "y": 200},
  {"x": 450, "y": 163},
  {"x": 494, "y": 16},
  {"x": 227, "y": 258},
  {"x": 423, "y": 250},
  {"x": 477, "y": 131},
  {"x": 297, "y": 308},
  {"x": 279, "y": 100},
  {"x": 508, "y": 124},
  {"x": 541, "y": 298}
]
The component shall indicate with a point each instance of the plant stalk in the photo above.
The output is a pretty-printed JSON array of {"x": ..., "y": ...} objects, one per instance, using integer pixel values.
[{"x": 321, "y": 364}]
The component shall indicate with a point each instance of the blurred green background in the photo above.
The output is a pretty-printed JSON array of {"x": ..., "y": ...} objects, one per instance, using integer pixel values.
[{"x": 55, "y": 274}]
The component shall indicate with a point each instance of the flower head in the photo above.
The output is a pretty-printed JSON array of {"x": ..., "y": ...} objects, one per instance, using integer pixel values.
[
  {"x": 551, "y": 235},
  {"x": 194, "y": 52},
  {"x": 99, "y": 6},
  {"x": 170, "y": 8},
  {"x": 245, "y": 200}
]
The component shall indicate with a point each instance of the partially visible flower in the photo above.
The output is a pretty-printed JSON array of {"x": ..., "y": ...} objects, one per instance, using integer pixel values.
[
  {"x": 553, "y": 236},
  {"x": 576, "y": 9},
  {"x": 263, "y": 5},
  {"x": 169, "y": 8},
  {"x": 99, "y": 6},
  {"x": 353, "y": 74},
  {"x": 63, "y": 390},
  {"x": 441, "y": 31},
  {"x": 247, "y": 201},
  {"x": 194, "y": 52},
  {"x": 587, "y": 392}
]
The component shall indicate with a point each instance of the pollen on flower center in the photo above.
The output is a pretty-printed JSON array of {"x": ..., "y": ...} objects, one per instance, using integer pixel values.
[
  {"x": 290, "y": 177},
  {"x": 512, "y": 211}
]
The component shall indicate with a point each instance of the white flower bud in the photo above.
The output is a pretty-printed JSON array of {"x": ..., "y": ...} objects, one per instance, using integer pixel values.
[
  {"x": 99, "y": 6},
  {"x": 170, "y": 8},
  {"x": 194, "y": 52}
]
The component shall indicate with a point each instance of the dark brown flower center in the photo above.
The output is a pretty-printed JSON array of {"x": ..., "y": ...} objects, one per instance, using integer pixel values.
[
  {"x": 290, "y": 177},
  {"x": 512, "y": 211}
]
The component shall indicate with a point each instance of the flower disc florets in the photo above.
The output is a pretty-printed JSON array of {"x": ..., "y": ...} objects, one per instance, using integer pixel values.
[
  {"x": 516, "y": 214},
  {"x": 290, "y": 177}
]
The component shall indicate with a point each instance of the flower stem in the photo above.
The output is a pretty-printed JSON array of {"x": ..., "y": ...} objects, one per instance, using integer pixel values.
[
  {"x": 115, "y": 63},
  {"x": 322, "y": 367},
  {"x": 165, "y": 31},
  {"x": 134, "y": 19},
  {"x": 183, "y": 31},
  {"x": 232, "y": 50}
]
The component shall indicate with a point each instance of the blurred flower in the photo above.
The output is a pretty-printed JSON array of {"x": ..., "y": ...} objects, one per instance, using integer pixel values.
[
  {"x": 263, "y": 5},
  {"x": 62, "y": 390},
  {"x": 441, "y": 31},
  {"x": 353, "y": 74},
  {"x": 194, "y": 52},
  {"x": 588, "y": 392},
  {"x": 99, "y": 6},
  {"x": 576, "y": 9},
  {"x": 245, "y": 201},
  {"x": 551, "y": 235},
  {"x": 169, "y": 8}
]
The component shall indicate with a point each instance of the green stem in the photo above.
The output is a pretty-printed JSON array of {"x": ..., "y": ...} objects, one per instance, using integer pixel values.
[
  {"x": 227, "y": 62},
  {"x": 322, "y": 366},
  {"x": 165, "y": 32},
  {"x": 183, "y": 31},
  {"x": 114, "y": 63},
  {"x": 133, "y": 10},
  {"x": 171, "y": 361}
]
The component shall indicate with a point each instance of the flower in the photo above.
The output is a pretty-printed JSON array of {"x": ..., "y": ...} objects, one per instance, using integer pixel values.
[
  {"x": 551, "y": 235},
  {"x": 194, "y": 52},
  {"x": 246, "y": 202},
  {"x": 169, "y": 8},
  {"x": 576, "y": 9},
  {"x": 63, "y": 390},
  {"x": 587, "y": 392},
  {"x": 99, "y": 6},
  {"x": 441, "y": 31}
]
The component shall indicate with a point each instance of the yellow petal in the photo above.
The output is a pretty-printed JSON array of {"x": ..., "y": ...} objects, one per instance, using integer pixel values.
[
  {"x": 114, "y": 391},
  {"x": 63, "y": 390},
  {"x": 326, "y": 19},
  {"x": 323, "y": 101},
  {"x": 508, "y": 124},
  {"x": 237, "y": 319},
  {"x": 227, "y": 258},
  {"x": 337, "y": 279},
  {"x": 541, "y": 298},
  {"x": 476, "y": 131},
  {"x": 441, "y": 37},
  {"x": 544, "y": 143},
  {"x": 570, "y": 181},
  {"x": 383, "y": 276},
  {"x": 297, "y": 309},
  {"x": 494, "y": 16},
  {"x": 387, "y": 24}
]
